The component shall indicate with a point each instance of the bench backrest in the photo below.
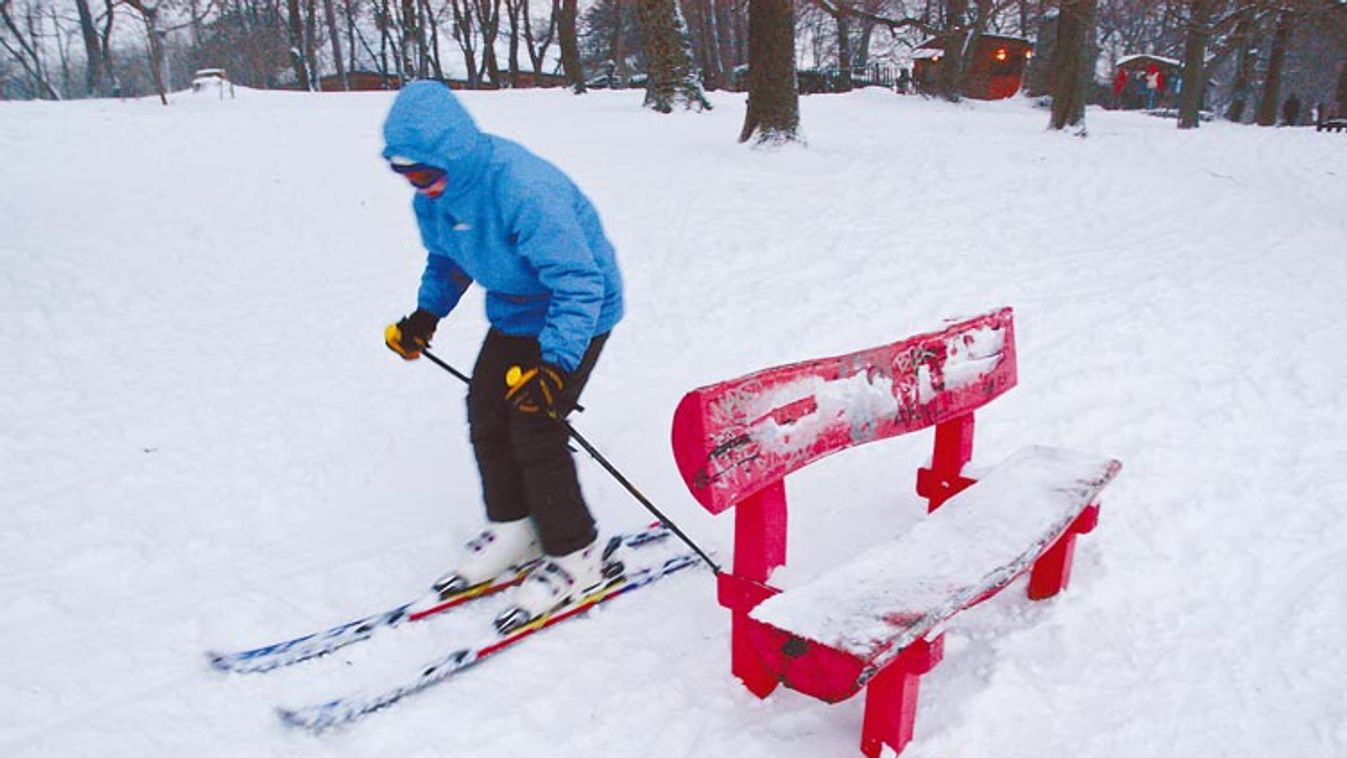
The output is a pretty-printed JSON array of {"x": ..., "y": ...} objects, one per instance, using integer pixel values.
[{"x": 733, "y": 439}]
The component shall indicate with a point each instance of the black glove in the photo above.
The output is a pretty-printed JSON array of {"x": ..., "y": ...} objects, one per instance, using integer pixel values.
[
  {"x": 412, "y": 334},
  {"x": 536, "y": 389}
]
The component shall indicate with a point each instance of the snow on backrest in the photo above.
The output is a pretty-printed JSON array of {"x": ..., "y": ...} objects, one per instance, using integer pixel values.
[{"x": 734, "y": 438}]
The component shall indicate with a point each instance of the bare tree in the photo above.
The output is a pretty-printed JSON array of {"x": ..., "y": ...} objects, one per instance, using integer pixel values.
[
  {"x": 296, "y": 27},
  {"x": 465, "y": 35},
  {"x": 96, "y": 78},
  {"x": 411, "y": 40},
  {"x": 670, "y": 78},
  {"x": 155, "y": 32},
  {"x": 330, "y": 16},
  {"x": 1246, "y": 59},
  {"x": 1281, "y": 39},
  {"x": 1072, "y": 68},
  {"x": 25, "y": 48},
  {"x": 1194, "y": 62},
  {"x": 311, "y": 43},
  {"x": 570, "y": 46},
  {"x": 488, "y": 18},
  {"x": 773, "y": 113},
  {"x": 512, "y": 9},
  {"x": 701, "y": 17},
  {"x": 537, "y": 46}
]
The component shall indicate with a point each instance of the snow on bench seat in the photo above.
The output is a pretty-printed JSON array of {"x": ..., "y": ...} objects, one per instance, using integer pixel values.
[{"x": 974, "y": 545}]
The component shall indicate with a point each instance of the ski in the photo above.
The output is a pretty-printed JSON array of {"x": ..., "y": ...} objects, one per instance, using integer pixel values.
[
  {"x": 323, "y": 716},
  {"x": 303, "y": 648}
]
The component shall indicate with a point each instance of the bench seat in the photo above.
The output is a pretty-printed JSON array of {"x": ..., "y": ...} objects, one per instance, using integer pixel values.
[{"x": 867, "y": 612}]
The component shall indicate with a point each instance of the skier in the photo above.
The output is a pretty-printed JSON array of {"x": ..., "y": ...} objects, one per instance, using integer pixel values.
[{"x": 492, "y": 212}]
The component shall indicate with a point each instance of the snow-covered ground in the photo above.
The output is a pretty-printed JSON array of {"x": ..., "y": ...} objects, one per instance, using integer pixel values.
[{"x": 205, "y": 444}]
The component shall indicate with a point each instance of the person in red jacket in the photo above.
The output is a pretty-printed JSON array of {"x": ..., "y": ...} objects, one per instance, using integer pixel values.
[{"x": 1119, "y": 87}]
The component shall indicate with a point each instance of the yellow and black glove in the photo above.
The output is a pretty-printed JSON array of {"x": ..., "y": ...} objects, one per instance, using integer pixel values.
[
  {"x": 535, "y": 389},
  {"x": 412, "y": 334}
]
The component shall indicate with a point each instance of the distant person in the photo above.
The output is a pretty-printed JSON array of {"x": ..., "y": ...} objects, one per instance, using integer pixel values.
[
  {"x": 1119, "y": 87},
  {"x": 1291, "y": 111},
  {"x": 492, "y": 212},
  {"x": 1154, "y": 83}
]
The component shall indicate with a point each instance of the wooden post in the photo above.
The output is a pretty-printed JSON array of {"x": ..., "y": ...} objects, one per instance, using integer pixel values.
[
  {"x": 1052, "y": 571},
  {"x": 759, "y": 547},
  {"x": 953, "y": 449},
  {"x": 891, "y": 698}
]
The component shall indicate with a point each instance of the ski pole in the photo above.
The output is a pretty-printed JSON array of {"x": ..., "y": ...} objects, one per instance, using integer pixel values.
[
  {"x": 622, "y": 480},
  {"x": 610, "y": 468},
  {"x": 464, "y": 377}
]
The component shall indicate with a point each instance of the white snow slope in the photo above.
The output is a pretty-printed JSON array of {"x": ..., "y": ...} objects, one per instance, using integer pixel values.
[{"x": 205, "y": 444}]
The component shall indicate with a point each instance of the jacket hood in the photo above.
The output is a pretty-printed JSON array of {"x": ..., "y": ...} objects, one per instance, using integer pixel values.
[{"x": 429, "y": 125}]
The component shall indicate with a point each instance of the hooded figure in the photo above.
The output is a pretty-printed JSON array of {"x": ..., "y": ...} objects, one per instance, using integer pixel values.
[{"x": 492, "y": 212}]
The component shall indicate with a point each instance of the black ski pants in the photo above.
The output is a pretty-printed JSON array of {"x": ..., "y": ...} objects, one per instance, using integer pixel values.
[{"x": 524, "y": 461}]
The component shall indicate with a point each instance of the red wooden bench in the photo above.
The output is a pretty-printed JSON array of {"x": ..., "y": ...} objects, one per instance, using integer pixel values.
[{"x": 877, "y": 622}]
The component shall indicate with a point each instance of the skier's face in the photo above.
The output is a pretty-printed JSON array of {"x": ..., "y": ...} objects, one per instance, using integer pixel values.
[
  {"x": 435, "y": 189},
  {"x": 427, "y": 180}
]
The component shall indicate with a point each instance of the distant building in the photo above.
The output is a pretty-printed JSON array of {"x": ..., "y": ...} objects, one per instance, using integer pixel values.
[
  {"x": 1131, "y": 81},
  {"x": 361, "y": 81},
  {"x": 995, "y": 71}
]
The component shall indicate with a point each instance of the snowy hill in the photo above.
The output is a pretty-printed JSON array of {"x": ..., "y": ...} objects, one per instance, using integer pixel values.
[{"x": 204, "y": 442}]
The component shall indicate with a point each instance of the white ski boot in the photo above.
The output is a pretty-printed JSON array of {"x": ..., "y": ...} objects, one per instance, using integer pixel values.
[
  {"x": 501, "y": 547},
  {"x": 556, "y": 581}
]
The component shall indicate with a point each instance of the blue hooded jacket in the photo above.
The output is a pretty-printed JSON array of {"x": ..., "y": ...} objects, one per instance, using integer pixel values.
[{"x": 510, "y": 221}]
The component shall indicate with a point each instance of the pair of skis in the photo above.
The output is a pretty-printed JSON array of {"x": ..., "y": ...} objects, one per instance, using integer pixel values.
[{"x": 625, "y": 573}]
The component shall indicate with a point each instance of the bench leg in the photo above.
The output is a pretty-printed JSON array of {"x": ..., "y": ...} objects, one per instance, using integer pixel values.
[
  {"x": 953, "y": 449},
  {"x": 891, "y": 698},
  {"x": 744, "y": 661},
  {"x": 759, "y": 547},
  {"x": 1052, "y": 571}
]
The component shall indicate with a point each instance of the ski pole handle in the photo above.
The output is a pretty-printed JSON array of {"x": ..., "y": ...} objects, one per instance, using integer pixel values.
[{"x": 464, "y": 377}]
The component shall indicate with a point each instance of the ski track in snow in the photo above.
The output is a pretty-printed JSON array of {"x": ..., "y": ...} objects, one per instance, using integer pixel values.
[{"x": 204, "y": 443}]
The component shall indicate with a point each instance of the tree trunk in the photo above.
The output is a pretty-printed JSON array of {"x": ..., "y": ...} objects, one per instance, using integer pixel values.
[
  {"x": 670, "y": 80},
  {"x": 713, "y": 67},
  {"x": 1194, "y": 64},
  {"x": 433, "y": 43},
  {"x": 1244, "y": 66},
  {"x": 1070, "y": 64},
  {"x": 93, "y": 53},
  {"x": 537, "y": 49},
  {"x": 158, "y": 58},
  {"x": 383, "y": 39},
  {"x": 311, "y": 44},
  {"x": 108, "y": 70},
  {"x": 296, "y": 29},
  {"x": 349, "y": 8},
  {"x": 512, "y": 8},
  {"x": 463, "y": 31},
  {"x": 861, "y": 57},
  {"x": 773, "y": 113},
  {"x": 488, "y": 16},
  {"x": 410, "y": 35},
  {"x": 843, "y": 51},
  {"x": 951, "y": 61},
  {"x": 1272, "y": 83},
  {"x": 331, "y": 14},
  {"x": 570, "y": 47}
]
